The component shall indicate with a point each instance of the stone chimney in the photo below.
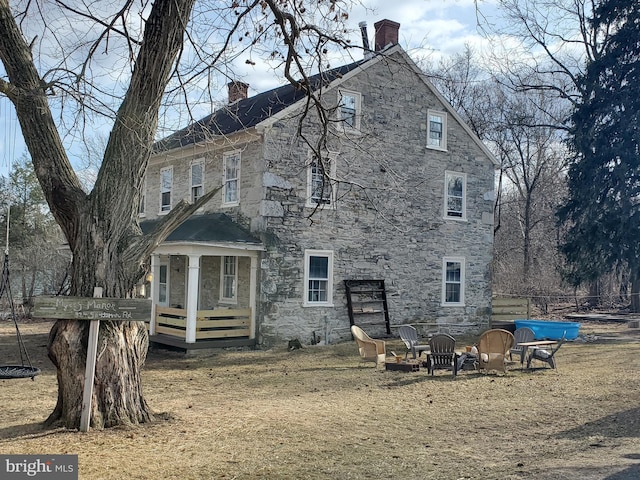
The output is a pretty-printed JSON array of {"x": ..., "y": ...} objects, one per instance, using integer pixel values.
[
  {"x": 386, "y": 34},
  {"x": 237, "y": 91}
]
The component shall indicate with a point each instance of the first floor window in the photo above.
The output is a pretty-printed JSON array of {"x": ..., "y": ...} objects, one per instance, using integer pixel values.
[
  {"x": 455, "y": 195},
  {"x": 453, "y": 281},
  {"x": 437, "y": 130},
  {"x": 163, "y": 285},
  {"x": 318, "y": 277},
  {"x": 166, "y": 185},
  {"x": 229, "y": 279},
  {"x": 231, "y": 180},
  {"x": 197, "y": 178}
]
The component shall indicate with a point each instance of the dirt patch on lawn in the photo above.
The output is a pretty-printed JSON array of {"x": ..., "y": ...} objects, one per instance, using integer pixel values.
[{"x": 318, "y": 413}]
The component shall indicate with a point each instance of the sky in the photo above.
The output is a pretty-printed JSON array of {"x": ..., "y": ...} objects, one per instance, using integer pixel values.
[{"x": 428, "y": 28}]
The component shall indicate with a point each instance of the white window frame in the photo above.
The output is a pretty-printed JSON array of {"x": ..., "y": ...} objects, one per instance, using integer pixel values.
[
  {"x": 328, "y": 254},
  {"x": 330, "y": 200},
  {"x": 166, "y": 208},
  {"x": 449, "y": 175},
  {"x": 226, "y": 180},
  {"x": 193, "y": 186},
  {"x": 163, "y": 265},
  {"x": 443, "y": 138},
  {"x": 446, "y": 281},
  {"x": 142, "y": 205},
  {"x": 224, "y": 276},
  {"x": 357, "y": 114}
]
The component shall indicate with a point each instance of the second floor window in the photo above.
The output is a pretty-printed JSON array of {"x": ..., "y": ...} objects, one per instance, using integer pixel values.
[
  {"x": 455, "y": 195},
  {"x": 321, "y": 183},
  {"x": 166, "y": 185},
  {"x": 197, "y": 179},
  {"x": 231, "y": 180}
]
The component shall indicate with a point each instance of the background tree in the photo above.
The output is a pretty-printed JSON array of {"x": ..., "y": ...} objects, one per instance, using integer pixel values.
[
  {"x": 156, "y": 55},
  {"x": 519, "y": 126},
  {"x": 546, "y": 46},
  {"x": 531, "y": 155},
  {"x": 603, "y": 208},
  {"x": 466, "y": 83},
  {"x": 36, "y": 260},
  {"x": 548, "y": 49}
]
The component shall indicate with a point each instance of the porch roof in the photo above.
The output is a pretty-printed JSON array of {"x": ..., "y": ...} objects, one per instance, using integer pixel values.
[{"x": 211, "y": 227}]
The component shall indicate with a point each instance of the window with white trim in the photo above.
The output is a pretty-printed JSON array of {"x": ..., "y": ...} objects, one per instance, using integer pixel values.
[
  {"x": 166, "y": 185},
  {"x": 163, "y": 285},
  {"x": 321, "y": 185},
  {"x": 455, "y": 195},
  {"x": 350, "y": 110},
  {"x": 436, "y": 130},
  {"x": 197, "y": 179},
  {"x": 231, "y": 178},
  {"x": 229, "y": 279},
  {"x": 318, "y": 278},
  {"x": 453, "y": 281}
]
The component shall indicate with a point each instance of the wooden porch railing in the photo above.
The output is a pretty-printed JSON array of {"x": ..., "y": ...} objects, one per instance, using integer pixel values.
[
  {"x": 171, "y": 321},
  {"x": 210, "y": 324},
  {"x": 223, "y": 323}
]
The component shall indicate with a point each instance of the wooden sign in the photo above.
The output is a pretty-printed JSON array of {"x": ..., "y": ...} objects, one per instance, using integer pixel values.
[
  {"x": 93, "y": 309},
  {"x": 85, "y": 308}
]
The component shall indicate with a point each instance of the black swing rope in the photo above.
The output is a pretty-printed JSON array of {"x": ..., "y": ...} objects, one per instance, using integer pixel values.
[{"x": 25, "y": 370}]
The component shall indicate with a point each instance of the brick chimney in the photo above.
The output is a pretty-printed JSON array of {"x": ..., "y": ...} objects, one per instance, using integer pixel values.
[
  {"x": 386, "y": 34},
  {"x": 237, "y": 91}
]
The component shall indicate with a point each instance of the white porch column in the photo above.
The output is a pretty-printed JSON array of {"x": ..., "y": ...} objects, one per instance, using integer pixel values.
[
  {"x": 155, "y": 291},
  {"x": 193, "y": 287},
  {"x": 252, "y": 294}
]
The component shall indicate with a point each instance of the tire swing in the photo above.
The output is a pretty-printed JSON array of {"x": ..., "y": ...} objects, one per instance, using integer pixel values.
[{"x": 25, "y": 370}]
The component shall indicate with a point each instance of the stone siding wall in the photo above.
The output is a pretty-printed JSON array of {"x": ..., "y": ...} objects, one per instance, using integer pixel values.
[
  {"x": 388, "y": 221},
  {"x": 251, "y": 172}
]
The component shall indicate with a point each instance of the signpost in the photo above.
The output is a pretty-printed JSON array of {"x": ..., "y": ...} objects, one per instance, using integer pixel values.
[{"x": 92, "y": 309}]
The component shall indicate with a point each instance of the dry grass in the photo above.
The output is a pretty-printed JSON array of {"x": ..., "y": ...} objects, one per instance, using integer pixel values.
[{"x": 318, "y": 413}]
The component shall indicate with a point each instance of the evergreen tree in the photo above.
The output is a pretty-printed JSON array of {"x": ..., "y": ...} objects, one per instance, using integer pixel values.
[
  {"x": 37, "y": 262},
  {"x": 603, "y": 207}
]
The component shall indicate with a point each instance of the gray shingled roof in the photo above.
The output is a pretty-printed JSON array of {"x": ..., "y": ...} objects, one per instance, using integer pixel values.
[
  {"x": 212, "y": 227},
  {"x": 248, "y": 112}
]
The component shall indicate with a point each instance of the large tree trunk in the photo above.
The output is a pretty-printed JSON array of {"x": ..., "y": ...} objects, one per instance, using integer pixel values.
[
  {"x": 101, "y": 228},
  {"x": 117, "y": 396},
  {"x": 122, "y": 346}
]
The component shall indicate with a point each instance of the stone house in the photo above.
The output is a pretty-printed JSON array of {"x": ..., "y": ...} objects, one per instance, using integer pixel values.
[{"x": 399, "y": 189}]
